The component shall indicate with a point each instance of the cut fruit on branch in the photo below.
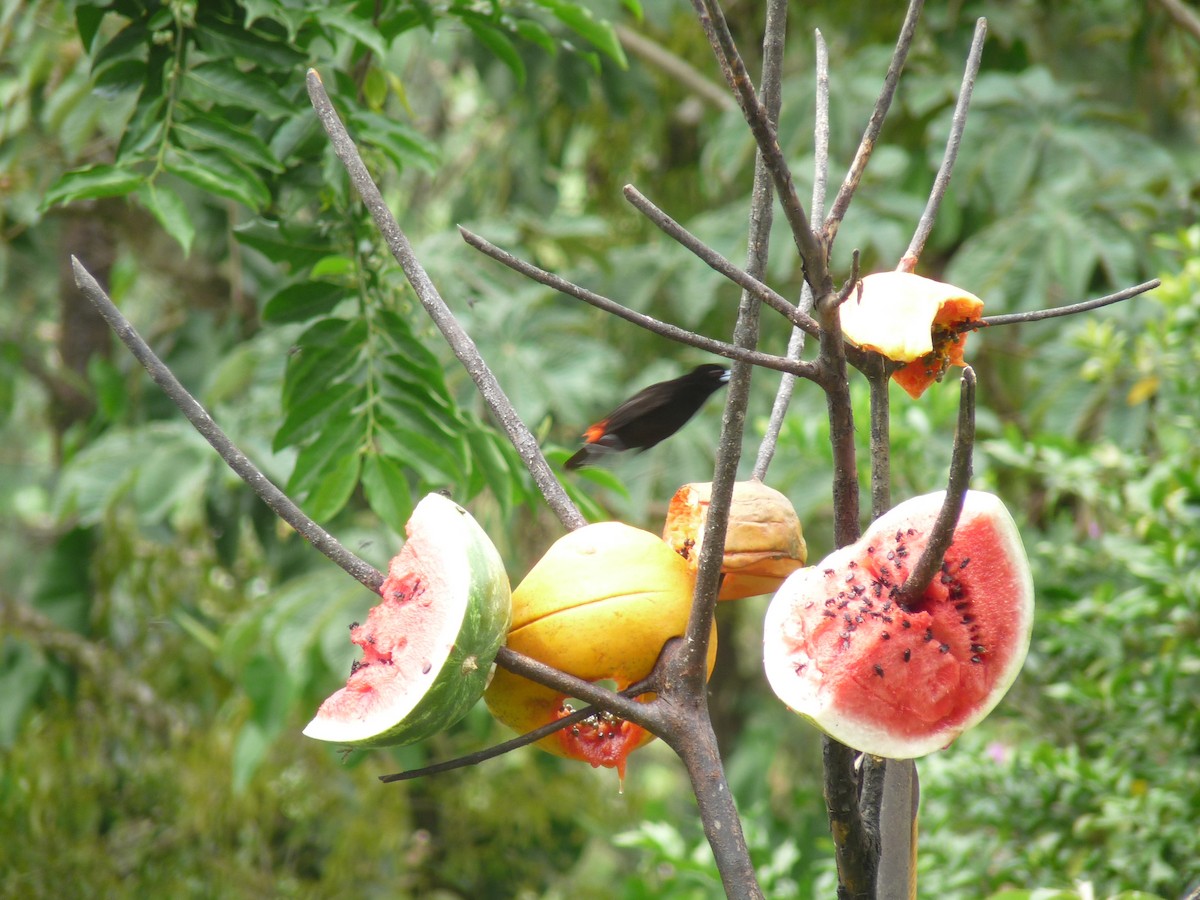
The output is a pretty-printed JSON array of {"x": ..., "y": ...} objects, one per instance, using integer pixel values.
[
  {"x": 428, "y": 647},
  {"x": 911, "y": 319},
  {"x": 902, "y": 681},
  {"x": 599, "y": 605}
]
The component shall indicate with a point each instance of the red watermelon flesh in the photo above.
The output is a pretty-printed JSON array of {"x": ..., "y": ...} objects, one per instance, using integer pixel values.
[
  {"x": 429, "y": 645},
  {"x": 902, "y": 682}
]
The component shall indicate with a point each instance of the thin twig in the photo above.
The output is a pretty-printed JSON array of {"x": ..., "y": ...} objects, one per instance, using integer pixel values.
[
  {"x": 482, "y": 756},
  {"x": 1054, "y": 312},
  {"x": 783, "y": 396},
  {"x": 680, "y": 70},
  {"x": 276, "y": 499},
  {"x": 595, "y": 694},
  {"x": 958, "y": 124},
  {"x": 742, "y": 278},
  {"x": 459, "y": 341},
  {"x": 879, "y": 380},
  {"x": 942, "y": 533},
  {"x": 657, "y": 326},
  {"x": 862, "y": 156},
  {"x": 812, "y": 250},
  {"x": 746, "y": 331}
]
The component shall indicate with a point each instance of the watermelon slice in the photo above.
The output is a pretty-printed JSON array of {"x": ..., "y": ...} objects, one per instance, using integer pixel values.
[
  {"x": 428, "y": 647},
  {"x": 895, "y": 681}
]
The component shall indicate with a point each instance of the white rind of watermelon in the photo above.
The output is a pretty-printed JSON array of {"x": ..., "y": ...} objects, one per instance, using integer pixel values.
[
  {"x": 903, "y": 683},
  {"x": 428, "y": 647}
]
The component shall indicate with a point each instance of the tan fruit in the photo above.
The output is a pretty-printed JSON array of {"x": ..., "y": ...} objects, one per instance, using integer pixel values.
[
  {"x": 763, "y": 543},
  {"x": 599, "y": 605}
]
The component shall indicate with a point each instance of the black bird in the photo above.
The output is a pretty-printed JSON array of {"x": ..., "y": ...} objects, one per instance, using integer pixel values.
[{"x": 651, "y": 415}]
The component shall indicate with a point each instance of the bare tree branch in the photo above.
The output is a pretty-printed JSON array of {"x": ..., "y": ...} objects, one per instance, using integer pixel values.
[
  {"x": 941, "y": 535},
  {"x": 460, "y": 342},
  {"x": 744, "y": 279},
  {"x": 657, "y": 326},
  {"x": 862, "y": 156},
  {"x": 812, "y": 250},
  {"x": 958, "y": 124},
  {"x": 1183, "y": 16},
  {"x": 276, "y": 499},
  {"x": 1054, "y": 312},
  {"x": 783, "y": 396}
]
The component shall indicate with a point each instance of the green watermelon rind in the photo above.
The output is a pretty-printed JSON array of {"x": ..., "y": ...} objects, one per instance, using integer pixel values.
[
  {"x": 486, "y": 614},
  {"x": 869, "y": 736}
]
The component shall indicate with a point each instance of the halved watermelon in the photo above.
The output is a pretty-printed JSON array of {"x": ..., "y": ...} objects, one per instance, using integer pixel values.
[
  {"x": 902, "y": 681},
  {"x": 428, "y": 647}
]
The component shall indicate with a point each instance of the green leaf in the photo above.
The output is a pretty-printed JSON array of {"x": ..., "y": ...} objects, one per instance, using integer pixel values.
[
  {"x": 91, "y": 183},
  {"x": 496, "y": 41},
  {"x": 252, "y": 43},
  {"x": 224, "y": 84},
  {"x": 403, "y": 144},
  {"x": 357, "y": 28},
  {"x": 199, "y": 129},
  {"x": 87, "y": 23},
  {"x": 221, "y": 175},
  {"x": 169, "y": 210},
  {"x": 341, "y": 438},
  {"x": 386, "y": 487},
  {"x": 306, "y": 419},
  {"x": 324, "y": 353},
  {"x": 536, "y": 33},
  {"x": 579, "y": 19},
  {"x": 293, "y": 245},
  {"x": 336, "y": 485},
  {"x": 302, "y": 301}
]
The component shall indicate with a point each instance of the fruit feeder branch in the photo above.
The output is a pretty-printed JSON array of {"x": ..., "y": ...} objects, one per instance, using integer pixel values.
[
  {"x": 716, "y": 29},
  {"x": 752, "y": 283},
  {"x": 942, "y": 533},
  {"x": 783, "y": 395},
  {"x": 649, "y": 323},
  {"x": 277, "y": 500},
  {"x": 958, "y": 124},
  {"x": 841, "y": 203},
  {"x": 515, "y": 662},
  {"x": 456, "y": 336}
]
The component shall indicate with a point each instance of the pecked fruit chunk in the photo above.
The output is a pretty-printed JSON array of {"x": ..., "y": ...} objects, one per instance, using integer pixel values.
[
  {"x": 763, "y": 542},
  {"x": 429, "y": 645},
  {"x": 911, "y": 319},
  {"x": 599, "y": 605},
  {"x": 902, "y": 682}
]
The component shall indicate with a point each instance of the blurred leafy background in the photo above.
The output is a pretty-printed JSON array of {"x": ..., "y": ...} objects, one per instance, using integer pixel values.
[{"x": 164, "y": 639}]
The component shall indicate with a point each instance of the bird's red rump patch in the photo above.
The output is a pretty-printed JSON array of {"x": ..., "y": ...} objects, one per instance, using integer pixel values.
[{"x": 595, "y": 432}]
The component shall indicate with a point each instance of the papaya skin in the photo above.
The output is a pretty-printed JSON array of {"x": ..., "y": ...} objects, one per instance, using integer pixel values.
[{"x": 599, "y": 605}]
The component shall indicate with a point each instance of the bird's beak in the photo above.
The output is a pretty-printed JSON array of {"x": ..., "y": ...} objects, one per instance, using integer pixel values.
[{"x": 725, "y": 376}]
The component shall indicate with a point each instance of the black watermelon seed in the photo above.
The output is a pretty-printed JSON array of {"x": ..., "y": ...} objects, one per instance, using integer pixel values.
[
  {"x": 978, "y": 648},
  {"x": 943, "y": 648},
  {"x": 353, "y": 625},
  {"x": 966, "y": 562},
  {"x": 907, "y": 655},
  {"x": 906, "y": 623},
  {"x": 967, "y": 620},
  {"x": 879, "y": 670},
  {"x": 929, "y": 634},
  {"x": 976, "y": 659},
  {"x": 885, "y": 636}
]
